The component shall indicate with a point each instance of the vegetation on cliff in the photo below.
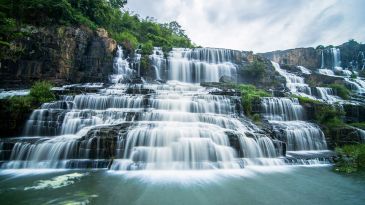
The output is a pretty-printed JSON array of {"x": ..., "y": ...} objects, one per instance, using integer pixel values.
[
  {"x": 15, "y": 110},
  {"x": 250, "y": 94},
  {"x": 127, "y": 28},
  {"x": 351, "y": 158}
]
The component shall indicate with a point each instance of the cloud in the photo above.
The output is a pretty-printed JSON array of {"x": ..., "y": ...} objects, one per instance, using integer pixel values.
[{"x": 261, "y": 25}]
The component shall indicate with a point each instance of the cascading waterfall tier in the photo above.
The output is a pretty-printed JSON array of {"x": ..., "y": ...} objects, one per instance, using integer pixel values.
[
  {"x": 176, "y": 125},
  {"x": 201, "y": 64},
  {"x": 287, "y": 117}
]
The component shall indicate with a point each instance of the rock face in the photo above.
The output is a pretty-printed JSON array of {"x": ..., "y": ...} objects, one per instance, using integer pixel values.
[
  {"x": 307, "y": 57},
  {"x": 61, "y": 55}
]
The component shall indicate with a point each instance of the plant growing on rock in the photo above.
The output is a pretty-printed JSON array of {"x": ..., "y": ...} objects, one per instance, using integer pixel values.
[
  {"x": 41, "y": 92},
  {"x": 341, "y": 91},
  {"x": 351, "y": 158},
  {"x": 249, "y": 94}
]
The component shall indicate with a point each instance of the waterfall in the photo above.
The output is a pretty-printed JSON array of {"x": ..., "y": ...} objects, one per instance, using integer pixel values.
[
  {"x": 121, "y": 68},
  {"x": 158, "y": 62},
  {"x": 283, "y": 109},
  {"x": 336, "y": 58},
  {"x": 175, "y": 125},
  {"x": 286, "y": 116},
  {"x": 294, "y": 83},
  {"x": 304, "y": 70},
  {"x": 200, "y": 64},
  {"x": 327, "y": 94},
  {"x": 300, "y": 135},
  {"x": 322, "y": 59}
]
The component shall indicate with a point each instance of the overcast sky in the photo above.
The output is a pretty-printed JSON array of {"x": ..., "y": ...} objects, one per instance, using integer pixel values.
[{"x": 261, "y": 25}]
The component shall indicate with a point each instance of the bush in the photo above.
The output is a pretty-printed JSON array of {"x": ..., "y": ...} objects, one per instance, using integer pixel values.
[
  {"x": 128, "y": 40},
  {"x": 249, "y": 93},
  {"x": 255, "y": 70},
  {"x": 351, "y": 158},
  {"x": 341, "y": 91},
  {"x": 304, "y": 100},
  {"x": 147, "y": 48},
  {"x": 41, "y": 92},
  {"x": 329, "y": 115}
]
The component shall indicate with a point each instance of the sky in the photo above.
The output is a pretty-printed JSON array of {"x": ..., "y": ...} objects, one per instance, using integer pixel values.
[{"x": 260, "y": 25}]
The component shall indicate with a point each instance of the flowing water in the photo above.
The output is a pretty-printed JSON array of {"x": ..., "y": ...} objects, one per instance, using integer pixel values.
[
  {"x": 295, "y": 185},
  {"x": 170, "y": 143}
]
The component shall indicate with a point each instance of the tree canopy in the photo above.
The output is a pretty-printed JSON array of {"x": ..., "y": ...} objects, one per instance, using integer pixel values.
[{"x": 125, "y": 27}]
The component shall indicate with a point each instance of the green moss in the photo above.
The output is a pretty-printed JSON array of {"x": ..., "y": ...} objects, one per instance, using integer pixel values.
[
  {"x": 351, "y": 158},
  {"x": 360, "y": 125},
  {"x": 249, "y": 93},
  {"x": 341, "y": 91}
]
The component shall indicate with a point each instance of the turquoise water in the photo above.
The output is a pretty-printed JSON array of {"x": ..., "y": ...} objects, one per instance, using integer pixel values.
[{"x": 263, "y": 185}]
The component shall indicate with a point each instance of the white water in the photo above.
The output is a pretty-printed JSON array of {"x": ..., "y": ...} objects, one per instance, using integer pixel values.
[
  {"x": 294, "y": 83},
  {"x": 287, "y": 115},
  {"x": 158, "y": 61},
  {"x": 178, "y": 126},
  {"x": 121, "y": 67},
  {"x": 200, "y": 64},
  {"x": 10, "y": 93},
  {"x": 304, "y": 70}
]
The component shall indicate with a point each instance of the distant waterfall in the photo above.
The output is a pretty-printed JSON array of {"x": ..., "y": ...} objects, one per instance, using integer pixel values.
[
  {"x": 200, "y": 65},
  {"x": 322, "y": 59},
  {"x": 336, "y": 57}
]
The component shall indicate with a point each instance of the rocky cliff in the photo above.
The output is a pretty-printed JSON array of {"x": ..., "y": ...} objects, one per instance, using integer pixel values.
[
  {"x": 307, "y": 57},
  {"x": 61, "y": 55}
]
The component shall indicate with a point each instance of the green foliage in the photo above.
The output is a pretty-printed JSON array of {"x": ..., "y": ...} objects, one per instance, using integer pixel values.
[
  {"x": 127, "y": 28},
  {"x": 255, "y": 70},
  {"x": 304, "y": 100},
  {"x": 329, "y": 115},
  {"x": 341, "y": 91},
  {"x": 147, "y": 48},
  {"x": 360, "y": 125},
  {"x": 353, "y": 76},
  {"x": 128, "y": 40},
  {"x": 41, "y": 92},
  {"x": 19, "y": 105},
  {"x": 351, "y": 158},
  {"x": 249, "y": 94},
  {"x": 145, "y": 63}
]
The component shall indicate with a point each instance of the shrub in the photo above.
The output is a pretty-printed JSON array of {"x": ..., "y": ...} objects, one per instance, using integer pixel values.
[
  {"x": 351, "y": 158},
  {"x": 128, "y": 40},
  {"x": 41, "y": 92},
  {"x": 341, "y": 91},
  {"x": 147, "y": 48},
  {"x": 304, "y": 100},
  {"x": 249, "y": 93},
  {"x": 255, "y": 70},
  {"x": 329, "y": 115}
]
